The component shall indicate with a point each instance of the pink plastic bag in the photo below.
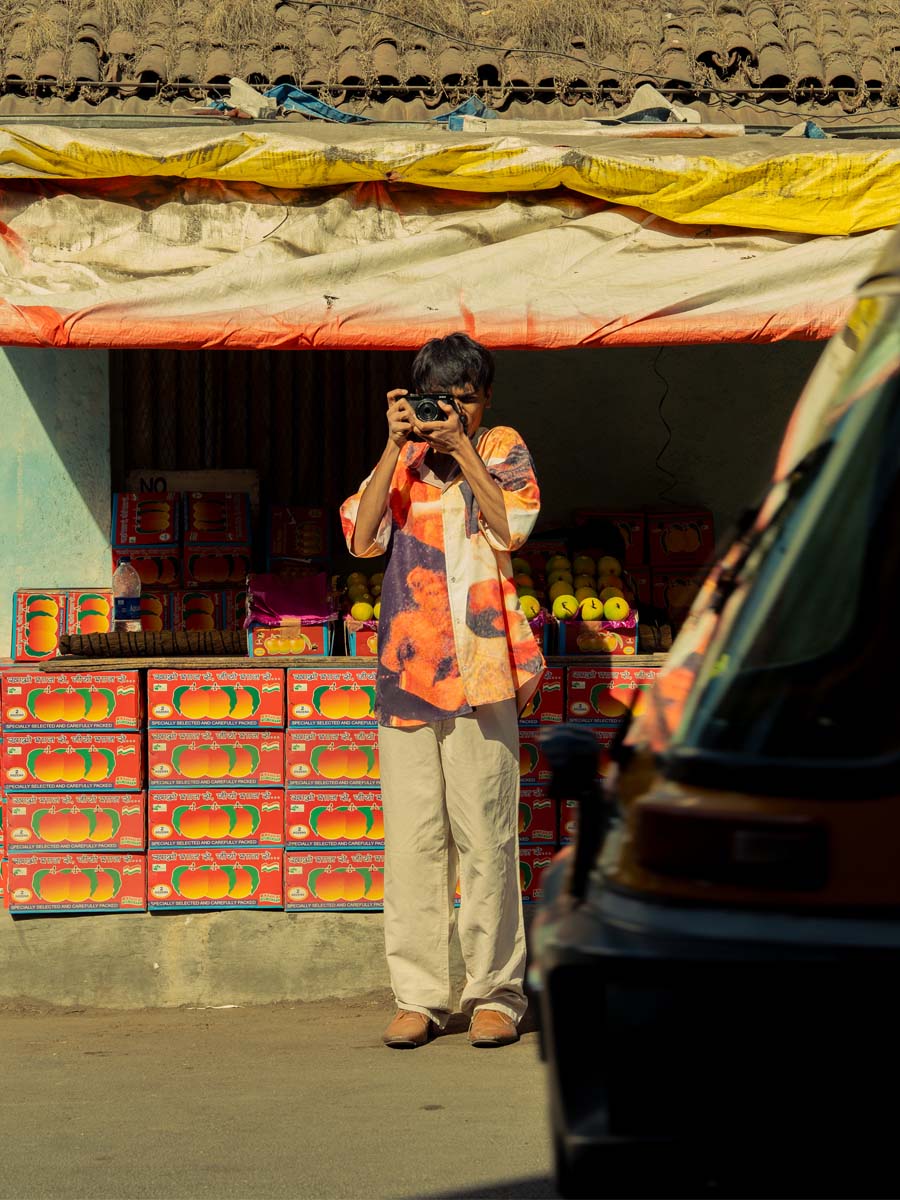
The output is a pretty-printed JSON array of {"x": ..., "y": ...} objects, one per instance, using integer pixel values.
[{"x": 274, "y": 600}]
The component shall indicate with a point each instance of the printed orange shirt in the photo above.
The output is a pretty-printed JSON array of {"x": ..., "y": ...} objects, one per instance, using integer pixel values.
[{"x": 451, "y": 634}]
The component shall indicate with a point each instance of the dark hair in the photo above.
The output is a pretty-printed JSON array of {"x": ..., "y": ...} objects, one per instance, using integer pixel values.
[{"x": 452, "y": 361}]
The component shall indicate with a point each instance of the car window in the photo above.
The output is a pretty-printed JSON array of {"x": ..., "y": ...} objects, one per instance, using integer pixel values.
[{"x": 812, "y": 645}]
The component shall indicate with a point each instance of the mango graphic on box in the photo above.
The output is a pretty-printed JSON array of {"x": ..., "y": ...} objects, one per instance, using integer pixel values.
[
  {"x": 157, "y": 570},
  {"x": 70, "y": 765},
  {"x": 198, "y": 612},
  {"x": 345, "y": 762},
  {"x": 42, "y": 621},
  {"x": 344, "y": 702},
  {"x": 681, "y": 537},
  {"x": 218, "y": 568},
  {"x": 528, "y": 758},
  {"x": 75, "y": 824},
  {"x": 77, "y": 884},
  {"x": 56, "y": 705},
  {"x": 216, "y": 703},
  {"x": 215, "y": 762},
  {"x": 153, "y": 515},
  {"x": 347, "y": 822},
  {"x": 93, "y": 613},
  {"x": 346, "y": 884},
  {"x": 215, "y": 881},
  {"x": 202, "y": 821},
  {"x": 152, "y": 614},
  {"x": 297, "y": 643}
]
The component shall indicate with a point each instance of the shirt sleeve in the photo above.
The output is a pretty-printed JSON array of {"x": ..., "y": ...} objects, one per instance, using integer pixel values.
[
  {"x": 509, "y": 464},
  {"x": 349, "y": 513}
]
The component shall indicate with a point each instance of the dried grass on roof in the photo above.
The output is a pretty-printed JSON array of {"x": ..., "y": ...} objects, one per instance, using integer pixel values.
[{"x": 94, "y": 49}]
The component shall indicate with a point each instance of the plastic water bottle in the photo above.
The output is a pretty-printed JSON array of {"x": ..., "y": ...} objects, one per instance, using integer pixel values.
[{"x": 126, "y": 586}]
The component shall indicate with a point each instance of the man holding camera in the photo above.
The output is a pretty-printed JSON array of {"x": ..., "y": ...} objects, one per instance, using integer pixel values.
[{"x": 448, "y": 502}]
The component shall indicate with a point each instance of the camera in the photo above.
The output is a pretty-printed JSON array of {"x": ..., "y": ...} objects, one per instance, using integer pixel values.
[{"x": 426, "y": 407}]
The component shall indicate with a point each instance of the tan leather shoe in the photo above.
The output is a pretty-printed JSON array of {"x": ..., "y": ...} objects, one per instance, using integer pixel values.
[
  {"x": 492, "y": 1028},
  {"x": 408, "y": 1030}
]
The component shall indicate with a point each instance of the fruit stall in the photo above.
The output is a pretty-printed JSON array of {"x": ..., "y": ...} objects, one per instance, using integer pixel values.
[
  {"x": 222, "y": 752},
  {"x": 178, "y": 784}
]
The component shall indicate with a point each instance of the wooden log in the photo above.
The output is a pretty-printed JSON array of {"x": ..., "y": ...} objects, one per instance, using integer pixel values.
[{"x": 164, "y": 644}]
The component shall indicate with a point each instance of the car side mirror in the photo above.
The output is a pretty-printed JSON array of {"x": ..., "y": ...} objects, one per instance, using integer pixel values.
[{"x": 572, "y": 752}]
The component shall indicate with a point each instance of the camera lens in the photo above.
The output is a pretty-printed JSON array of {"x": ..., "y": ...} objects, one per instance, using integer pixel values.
[{"x": 427, "y": 410}]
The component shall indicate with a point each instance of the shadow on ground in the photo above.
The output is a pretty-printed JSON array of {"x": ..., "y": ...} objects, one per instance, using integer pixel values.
[{"x": 534, "y": 1188}]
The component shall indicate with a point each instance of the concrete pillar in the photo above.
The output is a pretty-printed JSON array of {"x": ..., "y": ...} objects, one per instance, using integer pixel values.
[{"x": 54, "y": 473}]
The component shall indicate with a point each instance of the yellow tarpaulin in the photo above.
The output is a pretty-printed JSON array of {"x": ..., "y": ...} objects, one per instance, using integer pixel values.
[
  {"x": 760, "y": 182},
  {"x": 354, "y": 238}
]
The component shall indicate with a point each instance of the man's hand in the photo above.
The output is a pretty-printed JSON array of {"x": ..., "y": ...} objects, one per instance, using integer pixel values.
[
  {"x": 446, "y": 437},
  {"x": 400, "y": 417}
]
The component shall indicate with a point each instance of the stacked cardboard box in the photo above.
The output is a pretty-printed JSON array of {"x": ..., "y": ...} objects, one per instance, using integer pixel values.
[
  {"x": 334, "y": 833},
  {"x": 192, "y": 552},
  {"x": 665, "y": 554},
  {"x": 296, "y": 538},
  {"x": 601, "y": 698},
  {"x": 215, "y": 755},
  {"x": 680, "y": 548},
  {"x": 74, "y": 806}
]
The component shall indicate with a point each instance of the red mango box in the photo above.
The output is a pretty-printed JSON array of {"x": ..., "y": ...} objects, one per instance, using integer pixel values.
[
  {"x": 186, "y": 758},
  {"x": 533, "y": 766},
  {"x": 216, "y": 518},
  {"x": 145, "y": 519},
  {"x": 361, "y": 638},
  {"x": 219, "y": 698},
  {"x": 214, "y": 878},
  {"x": 297, "y": 532},
  {"x": 681, "y": 539},
  {"x": 638, "y": 581},
  {"x": 631, "y": 525},
  {"x": 322, "y": 696},
  {"x": 234, "y": 608},
  {"x": 156, "y": 611},
  {"x": 195, "y": 610},
  {"x": 546, "y": 706},
  {"x": 599, "y": 637},
  {"x": 82, "y": 699},
  {"x": 674, "y": 591},
  {"x": 346, "y": 757},
  {"x": 533, "y": 861},
  {"x": 52, "y": 883},
  {"x": 240, "y": 817},
  {"x": 537, "y": 816},
  {"x": 604, "y": 695},
  {"x": 38, "y": 619},
  {"x": 267, "y": 641},
  {"x": 158, "y": 569},
  {"x": 333, "y": 818},
  {"x": 213, "y": 567},
  {"x": 72, "y": 762},
  {"x": 89, "y": 611},
  {"x": 333, "y": 879},
  {"x": 568, "y": 821},
  {"x": 70, "y": 821}
]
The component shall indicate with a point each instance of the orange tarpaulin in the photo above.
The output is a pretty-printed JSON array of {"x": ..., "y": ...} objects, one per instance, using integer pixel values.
[{"x": 169, "y": 262}]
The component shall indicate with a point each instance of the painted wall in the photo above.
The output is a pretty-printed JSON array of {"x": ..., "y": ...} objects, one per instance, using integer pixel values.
[
  {"x": 54, "y": 472},
  {"x": 595, "y": 421}
]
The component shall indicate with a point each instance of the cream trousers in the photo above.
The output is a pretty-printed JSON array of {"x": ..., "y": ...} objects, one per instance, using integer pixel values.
[{"x": 450, "y": 791}]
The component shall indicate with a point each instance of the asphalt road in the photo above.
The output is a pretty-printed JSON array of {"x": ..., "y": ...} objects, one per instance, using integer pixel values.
[{"x": 285, "y": 1101}]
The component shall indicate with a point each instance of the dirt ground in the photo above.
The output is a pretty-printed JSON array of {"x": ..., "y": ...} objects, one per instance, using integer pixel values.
[{"x": 284, "y": 1101}]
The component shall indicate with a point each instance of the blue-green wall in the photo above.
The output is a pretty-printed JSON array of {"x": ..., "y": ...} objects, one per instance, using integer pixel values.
[{"x": 54, "y": 473}]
